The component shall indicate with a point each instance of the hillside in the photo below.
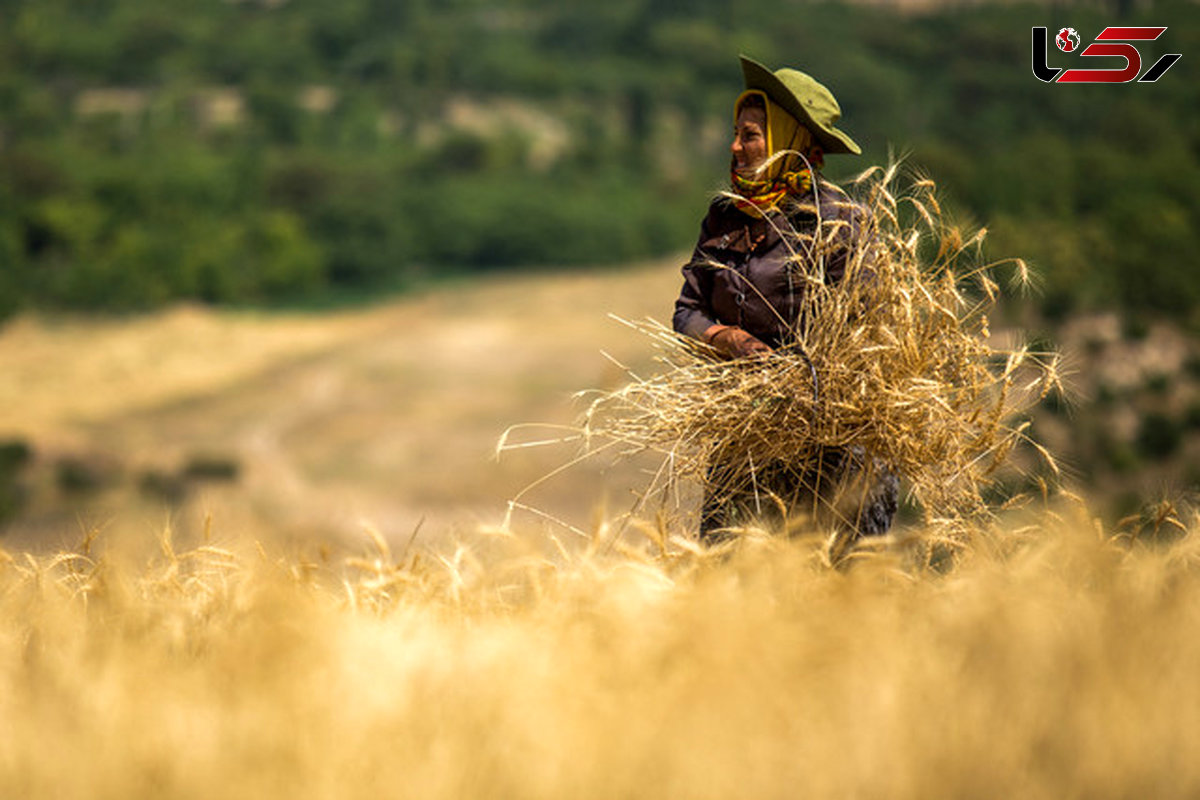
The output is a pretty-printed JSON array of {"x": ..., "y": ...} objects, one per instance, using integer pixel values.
[
  {"x": 250, "y": 152},
  {"x": 383, "y": 416},
  {"x": 314, "y": 426}
]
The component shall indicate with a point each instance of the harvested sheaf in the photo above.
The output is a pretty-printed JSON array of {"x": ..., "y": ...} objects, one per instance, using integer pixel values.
[{"x": 891, "y": 365}]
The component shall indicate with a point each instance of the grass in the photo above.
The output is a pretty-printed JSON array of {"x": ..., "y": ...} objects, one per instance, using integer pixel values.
[{"x": 1053, "y": 662}]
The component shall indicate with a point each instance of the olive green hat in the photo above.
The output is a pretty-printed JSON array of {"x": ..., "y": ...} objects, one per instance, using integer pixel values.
[{"x": 804, "y": 98}]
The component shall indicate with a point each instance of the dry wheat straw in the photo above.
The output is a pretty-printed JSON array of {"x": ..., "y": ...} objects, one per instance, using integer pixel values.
[{"x": 895, "y": 362}]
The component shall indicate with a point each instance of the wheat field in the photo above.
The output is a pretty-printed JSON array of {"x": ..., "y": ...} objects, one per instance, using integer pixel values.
[
  {"x": 348, "y": 619},
  {"x": 1055, "y": 662}
]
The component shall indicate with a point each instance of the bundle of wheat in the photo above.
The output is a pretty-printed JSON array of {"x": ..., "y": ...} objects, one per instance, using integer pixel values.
[{"x": 892, "y": 364}]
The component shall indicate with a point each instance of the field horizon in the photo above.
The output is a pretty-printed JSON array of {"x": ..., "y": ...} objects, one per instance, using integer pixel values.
[{"x": 300, "y": 426}]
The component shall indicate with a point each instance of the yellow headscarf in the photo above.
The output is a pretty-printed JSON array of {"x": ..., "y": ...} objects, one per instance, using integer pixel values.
[{"x": 786, "y": 175}]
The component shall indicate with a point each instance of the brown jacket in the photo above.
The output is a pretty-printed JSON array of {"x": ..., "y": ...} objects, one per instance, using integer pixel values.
[{"x": 748, "y": 271}]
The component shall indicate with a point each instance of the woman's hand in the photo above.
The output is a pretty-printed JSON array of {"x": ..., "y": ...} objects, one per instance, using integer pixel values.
[{"x": 733, "y": 342}]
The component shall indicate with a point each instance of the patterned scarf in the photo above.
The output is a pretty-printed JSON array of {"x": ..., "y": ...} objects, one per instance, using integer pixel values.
[
  {"x": 784, "y": 176},
  {"x": 756, "y": 197}
]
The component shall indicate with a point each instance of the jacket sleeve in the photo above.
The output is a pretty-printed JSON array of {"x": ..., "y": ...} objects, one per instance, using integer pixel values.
[{"x": 693, "y": 309}]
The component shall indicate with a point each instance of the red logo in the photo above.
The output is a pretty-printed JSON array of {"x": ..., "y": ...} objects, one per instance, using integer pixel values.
[
  {"x": 1067, "y": 40},
  {"x": 1112, "y": 42}
]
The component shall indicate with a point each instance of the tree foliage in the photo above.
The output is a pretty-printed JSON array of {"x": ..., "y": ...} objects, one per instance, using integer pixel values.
[{"x": 258, "y": 151}]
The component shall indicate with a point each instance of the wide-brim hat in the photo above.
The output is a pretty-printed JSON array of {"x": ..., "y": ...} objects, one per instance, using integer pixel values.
[{"x": 806, "y": 99}]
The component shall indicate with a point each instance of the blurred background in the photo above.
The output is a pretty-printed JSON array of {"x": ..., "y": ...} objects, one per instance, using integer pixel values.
[{"x": 290, "y": 267}]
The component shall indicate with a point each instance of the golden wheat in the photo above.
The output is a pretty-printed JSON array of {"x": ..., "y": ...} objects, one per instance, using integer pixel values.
[{"x": 1058, "y": 662}]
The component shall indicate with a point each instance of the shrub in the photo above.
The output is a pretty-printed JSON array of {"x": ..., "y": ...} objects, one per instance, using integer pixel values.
[
  {"x": 15, "y": 454},
  {"x": 1158, "y": 436}
]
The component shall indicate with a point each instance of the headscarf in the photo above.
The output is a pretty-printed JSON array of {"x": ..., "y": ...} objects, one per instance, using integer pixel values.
[{"x": 787, "y": 175}]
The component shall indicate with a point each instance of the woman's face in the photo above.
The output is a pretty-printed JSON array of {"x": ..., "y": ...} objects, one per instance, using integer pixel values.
[{"x": 749, "y": 146}]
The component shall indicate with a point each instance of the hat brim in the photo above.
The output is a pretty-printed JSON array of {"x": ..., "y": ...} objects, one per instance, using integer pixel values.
[{"x": 831, "y": 139}]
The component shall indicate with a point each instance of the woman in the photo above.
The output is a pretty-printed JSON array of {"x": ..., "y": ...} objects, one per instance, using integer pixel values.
[{"x": 780, "y": 225}]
